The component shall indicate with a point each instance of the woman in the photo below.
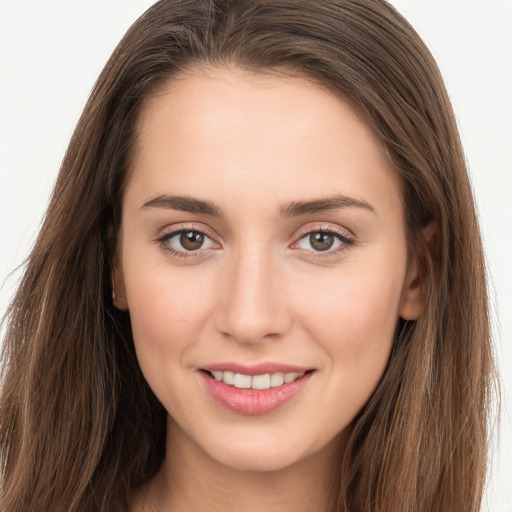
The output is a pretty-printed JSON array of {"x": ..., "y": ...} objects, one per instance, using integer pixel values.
[{"x": 259, "y": 282}]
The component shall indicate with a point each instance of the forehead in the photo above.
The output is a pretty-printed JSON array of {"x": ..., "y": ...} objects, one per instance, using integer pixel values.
[{"x": 268, "y": 139}]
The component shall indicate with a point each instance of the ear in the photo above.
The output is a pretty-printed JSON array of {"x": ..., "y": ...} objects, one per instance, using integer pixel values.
[
  {"x": 414, "y": 293},
  {"x": 118, "y": 287}
]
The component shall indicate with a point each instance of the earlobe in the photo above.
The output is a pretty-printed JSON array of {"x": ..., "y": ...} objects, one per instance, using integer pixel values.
[
  {"x": 414, "y": 298},
  {"x": 118, "y": 288}
]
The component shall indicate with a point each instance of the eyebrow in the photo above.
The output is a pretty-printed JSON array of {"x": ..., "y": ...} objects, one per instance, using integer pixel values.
[
  {"x": 184, "y": 204},
  {"x": 292, "y": 209},
  {"x": 296, "y": 208}
]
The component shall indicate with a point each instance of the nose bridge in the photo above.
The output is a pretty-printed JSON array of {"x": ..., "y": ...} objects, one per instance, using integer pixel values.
[{"x": 252, "y": 305}]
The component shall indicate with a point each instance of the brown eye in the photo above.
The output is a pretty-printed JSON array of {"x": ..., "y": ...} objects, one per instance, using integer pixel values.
[
  {"x": 324, "y": 241},
  {"x": 187, "y": 243},
  {"x": 191, "y": 240},
  {"x": 321, "y": 241}
]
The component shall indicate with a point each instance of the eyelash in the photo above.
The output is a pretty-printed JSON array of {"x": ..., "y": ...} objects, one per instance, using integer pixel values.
[
  {"x": 164, "y": 239},
  {"x": 345, "y": 240}
]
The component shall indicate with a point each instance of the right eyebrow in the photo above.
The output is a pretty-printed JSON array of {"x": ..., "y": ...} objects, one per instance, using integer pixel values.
[{"x": 184, "y": 204}]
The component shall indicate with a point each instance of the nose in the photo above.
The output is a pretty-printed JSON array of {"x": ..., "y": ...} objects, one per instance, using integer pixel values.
[{"x": 252, "y": 299}]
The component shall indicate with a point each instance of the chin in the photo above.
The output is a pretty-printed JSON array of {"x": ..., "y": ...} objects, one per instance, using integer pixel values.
[
  {"x": 267, "y": 453},
  {"x": 258, "y": 459}
]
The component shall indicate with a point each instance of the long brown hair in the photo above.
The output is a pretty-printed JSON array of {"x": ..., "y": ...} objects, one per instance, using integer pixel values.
[{"x": 79, "y": 426}]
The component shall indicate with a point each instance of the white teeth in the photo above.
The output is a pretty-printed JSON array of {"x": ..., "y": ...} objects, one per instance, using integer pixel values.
[
  {"x": 261, "y": 381},
  {"x": 229, "y": 378},
  {"x": 277, "y": 379},
  {"x": 242, "y": 381},
  {"x": 290, "y": 377},
  {"x": 265, "y": 381}
]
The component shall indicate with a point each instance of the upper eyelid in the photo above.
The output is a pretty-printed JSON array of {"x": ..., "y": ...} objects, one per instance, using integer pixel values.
[
  {"x": 169, "y": 231},
  {"x": 343, "y": 232}
]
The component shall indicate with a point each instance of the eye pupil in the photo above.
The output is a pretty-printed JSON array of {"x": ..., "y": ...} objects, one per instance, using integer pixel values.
[
  {"x": 191, "y": 240},
  {"x": 321, "y": 241}
]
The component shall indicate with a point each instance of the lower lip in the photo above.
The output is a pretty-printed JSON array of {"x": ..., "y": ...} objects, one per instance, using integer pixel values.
[{"x": 253, "y": 401}]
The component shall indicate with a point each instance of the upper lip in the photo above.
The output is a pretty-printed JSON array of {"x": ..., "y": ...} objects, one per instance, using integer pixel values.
[{"x": 255, "y": 369}]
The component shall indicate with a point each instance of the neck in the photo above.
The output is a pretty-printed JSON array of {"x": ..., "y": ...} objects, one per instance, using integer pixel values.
[{"x": 190, "y": 480}]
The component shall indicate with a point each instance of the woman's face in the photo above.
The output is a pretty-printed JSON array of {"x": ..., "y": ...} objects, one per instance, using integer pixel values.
[{"x": 263, "y": 246}]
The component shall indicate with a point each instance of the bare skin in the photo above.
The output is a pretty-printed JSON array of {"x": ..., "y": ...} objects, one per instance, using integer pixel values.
[
  {"x": 300, "y": 258},
  {"x": 195, "y": 481}
]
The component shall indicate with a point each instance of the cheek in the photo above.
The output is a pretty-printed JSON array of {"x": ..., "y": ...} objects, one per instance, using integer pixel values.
[
  {"x": 168, "y": 315},
  {"x": 168, "y": 311},
  {"x": 353, "y": 306},
  {"x": 353, "y": 319}
]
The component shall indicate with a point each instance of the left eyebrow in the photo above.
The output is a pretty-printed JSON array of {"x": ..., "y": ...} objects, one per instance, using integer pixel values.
[{"x": 296, "y": 208}]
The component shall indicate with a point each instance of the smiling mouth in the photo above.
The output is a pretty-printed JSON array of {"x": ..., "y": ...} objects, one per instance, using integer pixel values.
[
  {"x": 254, "y": 394},
  {"x": 258, "y": 382}
]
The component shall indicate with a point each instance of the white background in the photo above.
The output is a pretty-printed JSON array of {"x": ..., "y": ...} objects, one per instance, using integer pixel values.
[{"x": 51, "y": 52}]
